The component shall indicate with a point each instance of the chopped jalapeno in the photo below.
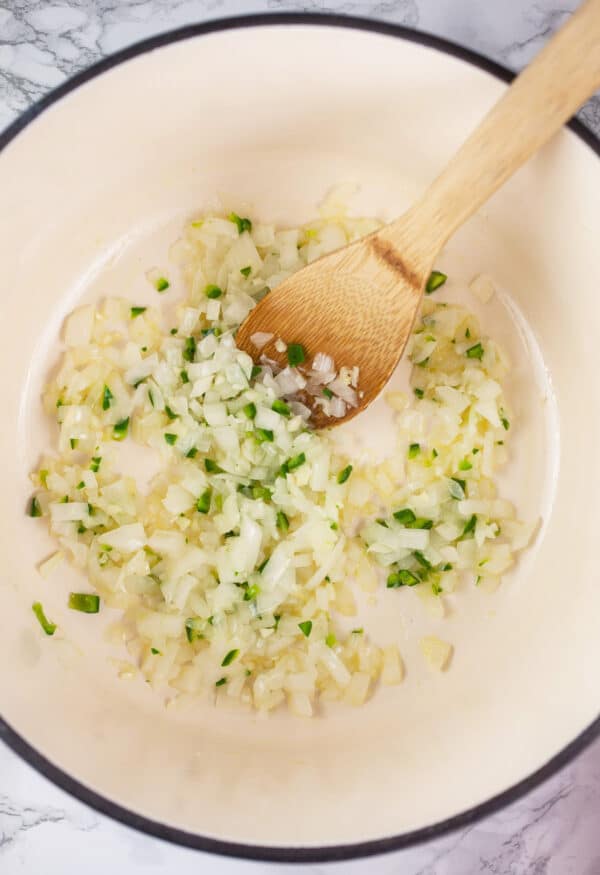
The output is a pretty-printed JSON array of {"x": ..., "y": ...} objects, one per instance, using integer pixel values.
[
  {"x": 87, "y": 603},
  {"x": 305, "y": 627},
  {"x": 421, "y": 523},
  {"x": 212, "y": 467},
  {"x": 414, "y": 450},
  {"x": 193, "y": 629},
  {"x": 259, "y": 492},
  {"x": 107, "y": 397},
  {"x": 242, "y": 224},
  {"x": 120, "y": 429},
  {"x": 421, "y": 559},
  {"x": 435, "y": 281},
  {"x": 189, "y": 349},
  {"x": 292, "y": 464},
  {"x": 344, "y": 474},
  {"x": 469, "y": 527},
  {"x": 229, "y": 657},
  {"x": 295, "y": 354},
  {"x": 203, "y": 502},
  {"x": 281, "y": 407},
  {"x": 283, "y": 523},
  {"x": 212, "y": 291},
  {"x": 263, "y": 434},
  {"x": 475, "y": 352},
  {"x": 405, "y": 516},
  {"x": 251, "y": 593},
  {"x": 402, "y": 578},
  {"x": 48, "y": 627},
  {"x": 34, "y": 507}
]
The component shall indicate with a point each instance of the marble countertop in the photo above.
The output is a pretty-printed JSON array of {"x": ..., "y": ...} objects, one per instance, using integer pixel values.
[{"x": 552, "y": 831}]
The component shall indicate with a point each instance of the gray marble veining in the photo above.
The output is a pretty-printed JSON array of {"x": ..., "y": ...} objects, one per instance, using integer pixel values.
[
  {"x": 552, "y": 831},
  {"x": 42, "y": 44}
]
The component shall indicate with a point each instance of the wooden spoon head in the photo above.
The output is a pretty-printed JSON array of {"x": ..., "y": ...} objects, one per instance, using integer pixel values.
[{"x": 357, "y": 305}]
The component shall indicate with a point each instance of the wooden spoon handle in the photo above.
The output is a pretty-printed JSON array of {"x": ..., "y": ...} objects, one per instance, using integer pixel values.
[{"x": 540, "y": 100}]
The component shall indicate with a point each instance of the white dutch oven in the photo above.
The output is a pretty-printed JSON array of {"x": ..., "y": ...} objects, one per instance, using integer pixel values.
[{"x": 269, "y": 113}]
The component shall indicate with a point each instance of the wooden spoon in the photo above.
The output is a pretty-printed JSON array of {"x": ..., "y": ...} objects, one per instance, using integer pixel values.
[{"x": 359, "y": 304}]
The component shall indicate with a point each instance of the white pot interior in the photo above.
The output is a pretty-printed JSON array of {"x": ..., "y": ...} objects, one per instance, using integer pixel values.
[{"x": 267, "y": 119}]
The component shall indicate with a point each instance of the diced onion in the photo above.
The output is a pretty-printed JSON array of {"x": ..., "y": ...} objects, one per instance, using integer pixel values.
[
  {"x": 260, "y": 338},
  {"x": 126, "y": 538},
  {"x": 482, "y": 287},
  {"x": 233, "y": 560},
  {"x": 437, "y": 653}
]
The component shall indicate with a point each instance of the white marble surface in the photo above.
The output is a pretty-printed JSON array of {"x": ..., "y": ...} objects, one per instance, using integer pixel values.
[{"x": 554, "y": 830}]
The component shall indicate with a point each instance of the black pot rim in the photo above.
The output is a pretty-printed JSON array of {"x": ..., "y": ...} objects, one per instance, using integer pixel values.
[{"x": 328, "y": 853}]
